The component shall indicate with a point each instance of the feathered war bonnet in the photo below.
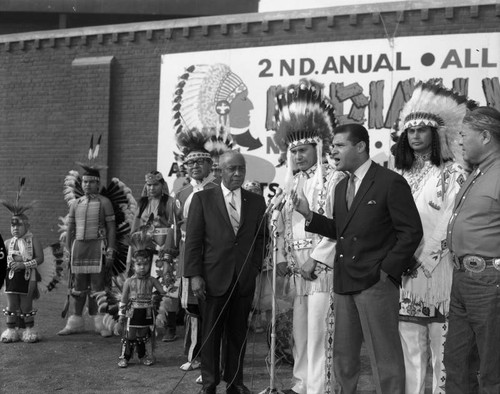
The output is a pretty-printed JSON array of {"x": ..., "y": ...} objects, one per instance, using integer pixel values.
[
  {"x": 91, "y": 170},
  {"x": 203, "y": 96},
  {"x": 15, "y": 207},
  {"x": 303, "y": 116},
  {"x": 433, "y": 105}
]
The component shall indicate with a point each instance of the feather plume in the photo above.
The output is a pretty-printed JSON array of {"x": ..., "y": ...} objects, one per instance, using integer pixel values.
[
  {"x": 97, "y": 147},
  {"x": 219, "y": 143},
  {"x": 20, "y": 189},
  {"x": 124, "y": 207},
  {"x": 15, "y": 206},
  {"x": 192, "y": 139},
  {"x": 51, "y": 269},
  {"x": 72, "y": 188},
  {"x": 91, "y": 147}
]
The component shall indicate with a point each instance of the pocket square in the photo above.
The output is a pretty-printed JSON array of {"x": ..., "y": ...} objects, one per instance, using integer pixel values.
[{"x": 372, "y": 202}]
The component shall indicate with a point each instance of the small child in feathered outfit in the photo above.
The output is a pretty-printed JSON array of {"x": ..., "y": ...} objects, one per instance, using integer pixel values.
[
  {"x": 136, "y": 310},
  {"x": 24, "y": 255}
]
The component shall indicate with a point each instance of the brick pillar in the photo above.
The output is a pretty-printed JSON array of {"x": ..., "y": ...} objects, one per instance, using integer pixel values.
[{"x": 90, "y": 104}]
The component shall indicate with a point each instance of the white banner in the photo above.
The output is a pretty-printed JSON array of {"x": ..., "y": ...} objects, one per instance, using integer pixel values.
[{"x": 369, "y": 81}]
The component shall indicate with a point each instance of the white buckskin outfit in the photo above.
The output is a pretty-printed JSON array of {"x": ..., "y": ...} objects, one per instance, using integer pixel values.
[
  {"x": 24, "y": 284},
  {"x": 313, "y": 321},
  {"x": 425, "y": 292},
  {"x": 305, "y": 117},
  {"x": 23, "y": 255}
]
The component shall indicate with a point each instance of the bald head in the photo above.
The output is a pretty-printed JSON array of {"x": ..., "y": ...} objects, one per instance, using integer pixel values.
[{"x": 233, "y": 169}]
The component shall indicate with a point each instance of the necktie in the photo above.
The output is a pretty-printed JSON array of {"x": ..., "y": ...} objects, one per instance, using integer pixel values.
[
  {"x": 351, "y": 191},
  {"x": 233, "y": 214}
]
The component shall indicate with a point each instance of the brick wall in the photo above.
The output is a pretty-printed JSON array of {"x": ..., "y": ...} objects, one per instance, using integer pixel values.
[{"x": 50, "y": 104}]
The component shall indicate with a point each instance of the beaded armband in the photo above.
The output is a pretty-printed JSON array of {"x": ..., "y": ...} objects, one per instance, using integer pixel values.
[
  {"x": 30, "y": 264},
  {"x": 110, "y": 253},
  {"x": 122, "y": 308}
]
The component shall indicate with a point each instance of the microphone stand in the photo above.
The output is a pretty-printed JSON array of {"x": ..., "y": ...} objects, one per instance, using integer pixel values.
[{"x": 272, "y": 371}]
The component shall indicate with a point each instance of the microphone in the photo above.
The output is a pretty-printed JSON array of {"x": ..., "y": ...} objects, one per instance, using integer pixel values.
[{"x": 276, "y": 201}]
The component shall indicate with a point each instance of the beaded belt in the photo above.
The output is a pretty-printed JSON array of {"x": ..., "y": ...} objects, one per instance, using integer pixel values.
[
  {"x": 475, "y": 264},
  {"x": 302, "y": 244}
]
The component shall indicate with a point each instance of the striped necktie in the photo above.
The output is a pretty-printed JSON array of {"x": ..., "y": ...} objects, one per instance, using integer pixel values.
[{"x": 233, "y": 214}]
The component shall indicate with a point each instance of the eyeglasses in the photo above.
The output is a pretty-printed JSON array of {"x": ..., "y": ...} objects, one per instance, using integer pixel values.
[{"x": 191, "y": 163}]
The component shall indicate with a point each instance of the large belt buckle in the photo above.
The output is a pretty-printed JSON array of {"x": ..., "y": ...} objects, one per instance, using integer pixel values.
[
  {"x": 496, "y": 264},
  {"x": 474, "y": 263}
]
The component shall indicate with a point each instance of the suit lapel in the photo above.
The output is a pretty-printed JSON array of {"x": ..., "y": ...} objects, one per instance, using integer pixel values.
[
  {"x": 244, "y": 206},
  {"x": 220, "y": 202},
  {"x": 366, "y": 184}
]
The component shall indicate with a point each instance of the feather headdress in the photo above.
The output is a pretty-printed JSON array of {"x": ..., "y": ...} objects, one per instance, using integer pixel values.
[
  {"x": 142, "y": 239},
  {"x": 203, "y": 96},
  {"x": 303, "y": 116},
  {"x": 433, "y": 105},
  {"x": 91, "y": 168},
  {"x": 219, "y": 143},
  {"x": 191, "y": 143},
  {"x": 15, "y": 207}
]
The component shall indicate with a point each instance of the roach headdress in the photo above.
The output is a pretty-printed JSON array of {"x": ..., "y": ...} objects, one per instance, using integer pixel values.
[
  {"x": 15, "y": 207},
  {"x": 142, "y": 239}
]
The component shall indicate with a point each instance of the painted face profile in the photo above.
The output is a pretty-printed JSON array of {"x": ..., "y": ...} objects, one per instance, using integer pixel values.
[{"x": 239, "y": 114}]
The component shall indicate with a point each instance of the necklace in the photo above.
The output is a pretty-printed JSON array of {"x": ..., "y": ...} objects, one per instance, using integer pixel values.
[
  {"x": 420, "y": 160},
  {"x": 417, "y": 173}
]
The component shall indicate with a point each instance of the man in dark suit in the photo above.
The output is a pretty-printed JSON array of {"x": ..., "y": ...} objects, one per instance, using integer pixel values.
[
  {"x": 223, "y": 255},
  {"x": 377, "y": 228},
  {"x": 3, "y": 262}
]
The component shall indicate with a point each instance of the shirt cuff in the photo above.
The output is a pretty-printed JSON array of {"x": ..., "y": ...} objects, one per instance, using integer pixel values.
[{"x": 309, "y": 218}]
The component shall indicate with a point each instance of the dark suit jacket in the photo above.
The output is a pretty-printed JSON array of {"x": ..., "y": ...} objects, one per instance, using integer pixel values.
[
  {"x": 3, "y": 262},
  {"x": 213, "y": 251},
  {"x": 382, "y": 230}
]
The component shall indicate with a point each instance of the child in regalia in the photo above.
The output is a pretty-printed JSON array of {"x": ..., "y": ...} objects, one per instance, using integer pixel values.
[
  {"x": 137, "y": 314},
  {"x": 24, "y": 255}
]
